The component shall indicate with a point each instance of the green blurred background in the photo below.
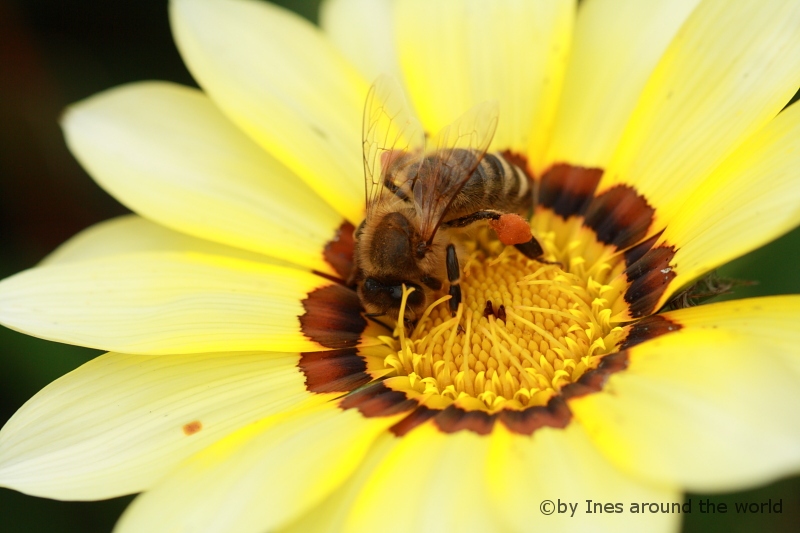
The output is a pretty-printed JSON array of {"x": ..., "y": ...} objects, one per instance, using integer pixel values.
[{"x": 53, "y": 53}]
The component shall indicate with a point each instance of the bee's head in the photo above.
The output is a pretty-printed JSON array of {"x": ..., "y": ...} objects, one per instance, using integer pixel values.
[{"x": 387, "y": 259}]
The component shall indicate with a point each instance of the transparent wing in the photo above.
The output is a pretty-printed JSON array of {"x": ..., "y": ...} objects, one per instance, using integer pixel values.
[
  {"x": 393, "y": 140},
  {"x": 452, "y": 156}
]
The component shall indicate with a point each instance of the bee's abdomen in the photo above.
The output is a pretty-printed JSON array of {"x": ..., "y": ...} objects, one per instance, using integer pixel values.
[
  {"x": 495, "y": 184},
  {"x": 509, "y": 182}
]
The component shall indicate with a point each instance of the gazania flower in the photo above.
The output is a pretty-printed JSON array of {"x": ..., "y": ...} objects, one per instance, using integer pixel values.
[{"x": 245, "y": 390}]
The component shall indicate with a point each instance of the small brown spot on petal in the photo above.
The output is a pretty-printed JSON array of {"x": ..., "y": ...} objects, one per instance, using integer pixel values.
[
  {"x": 649, "y": 277},
  {"x": 332, "y": 317},
  {"x": 488, "y": 310},
  {"x": 339, "y": 251},
  {"x": 568, "y": 189},
  {"x": 192, "y": 427},
  {"x": 501, "y": 313},
  {"x": 619, "y": 216}
]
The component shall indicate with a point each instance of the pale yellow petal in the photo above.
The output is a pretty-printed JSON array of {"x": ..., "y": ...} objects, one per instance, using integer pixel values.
[
  {"x": 429, "y": 482},
  {"x": 330, "y": 516},
  {"x": 168, "y": 153},
  {"x": 261, "y": 477},
  {"x": 119, "y": 423},
  {"x": 749, "y": 200},
  {"x": 560, "y": 471},
  {"x": 706, "y": 409},
  {"x": 728, "y": 71},
  {"x": 162, "y": 303},
  {"x": 772, "y": 320},
  {"x": 278, "y": 78},
  {"x": 617, "y": 45},
  {"x": 364, "y": 32},
  {"x": 457, "y": 54},
  {"x": 129, "y": 234}
]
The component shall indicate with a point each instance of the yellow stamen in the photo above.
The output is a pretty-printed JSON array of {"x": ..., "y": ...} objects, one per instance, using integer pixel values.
[{"x": 554, "y": 327}]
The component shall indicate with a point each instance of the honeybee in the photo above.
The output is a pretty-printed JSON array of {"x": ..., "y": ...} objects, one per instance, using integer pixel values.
[{"x": 417, "y": 197}]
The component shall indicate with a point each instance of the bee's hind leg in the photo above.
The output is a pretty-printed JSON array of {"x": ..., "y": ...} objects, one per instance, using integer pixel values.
[
  {"x": 533, "y": 250},
  {"x": 486, "y": 214},
  {"x": 454, "y": 277}
]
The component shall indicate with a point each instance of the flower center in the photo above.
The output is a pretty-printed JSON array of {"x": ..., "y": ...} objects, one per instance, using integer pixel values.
[{"x": 524, "y": 330}]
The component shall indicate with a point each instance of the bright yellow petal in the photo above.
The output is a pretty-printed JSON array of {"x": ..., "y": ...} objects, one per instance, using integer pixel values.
[
  {"x": 283, "y": 83},
  {"x": 617, "y": 45},
  {"x": 458, "y": 54},
  {"x": 363, "y": 31},
  {"x": 331, "y": 514},
  {"x": 751, "y": 199},
  {"x": 706, "y": 409},
  {"x": 169, "y": 154},
  {"x": 429, "y": 482},
  {"x": 564, "y": 467},
  {"x": 162, "y": 303},
  {"x": 133, "y": 234},
  {"x": 729, "y": 70},
  {"x": 260, "y": 477},
  {"x": 118, "y": 423}
]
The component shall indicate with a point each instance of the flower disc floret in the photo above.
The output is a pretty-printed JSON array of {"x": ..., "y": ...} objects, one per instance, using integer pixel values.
[{"x": 525, "y": 329}]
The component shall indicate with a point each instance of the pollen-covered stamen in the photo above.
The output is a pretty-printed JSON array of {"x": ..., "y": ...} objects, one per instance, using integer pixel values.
[{"x": 523, "y": 332}]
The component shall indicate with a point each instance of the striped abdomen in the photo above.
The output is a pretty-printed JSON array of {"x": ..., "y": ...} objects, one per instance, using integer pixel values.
[{"x": 495, "y": 184}]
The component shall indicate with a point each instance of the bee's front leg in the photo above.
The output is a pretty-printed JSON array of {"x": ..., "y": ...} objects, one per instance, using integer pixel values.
[{"x": 454, "y": 277}]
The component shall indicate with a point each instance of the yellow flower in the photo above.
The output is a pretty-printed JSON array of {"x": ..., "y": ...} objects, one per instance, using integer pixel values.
[{"x": 244, "y": 389}]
